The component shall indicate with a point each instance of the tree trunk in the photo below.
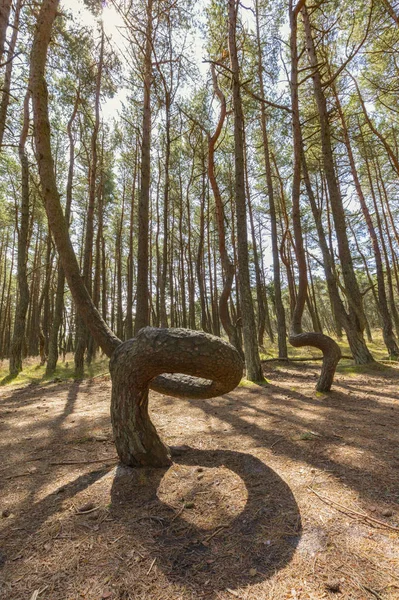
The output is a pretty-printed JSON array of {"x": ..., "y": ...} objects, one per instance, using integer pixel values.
[
  {"x": 23, "y": 288},
  {"x": 356, "y": 312},
  {"x": 211, "y": 367},
  {"x": 330, "y": 349},
  {"x": 142, "y": 306},
  {"x": 227, "y": 264},
  {"x": 251, "y": 352},
  {"x": 59, "y": 299},
  {"x": 5, "y": 97},
  {"x": 382, "y": 302},
  {"x": 278, "y": 301}
]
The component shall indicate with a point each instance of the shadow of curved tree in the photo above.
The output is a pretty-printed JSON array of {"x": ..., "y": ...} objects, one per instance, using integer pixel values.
[{"x": 244, "y": 548}]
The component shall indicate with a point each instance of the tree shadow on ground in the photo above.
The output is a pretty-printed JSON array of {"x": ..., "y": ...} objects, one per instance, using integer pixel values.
[{"x": 244, "y": 548}]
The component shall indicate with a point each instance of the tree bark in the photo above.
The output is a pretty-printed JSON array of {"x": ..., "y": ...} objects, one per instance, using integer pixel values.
[
  {"x": 251, "y": 352},
  {"x": 207, "y": 367}
]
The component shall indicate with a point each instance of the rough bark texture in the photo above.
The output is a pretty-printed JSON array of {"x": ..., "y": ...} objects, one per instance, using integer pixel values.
[{"x": 138, "y": 364}]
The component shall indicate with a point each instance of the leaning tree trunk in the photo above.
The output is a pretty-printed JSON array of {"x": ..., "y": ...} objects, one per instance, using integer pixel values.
[
  {"x": 381, "y": 299},
  {"x": 136, "y": 363},
  {"x": 59, "y": 297},
  {"x": 356, "y": 314}
]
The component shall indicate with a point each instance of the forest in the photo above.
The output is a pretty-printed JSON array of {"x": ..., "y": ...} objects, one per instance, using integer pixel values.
[{"x": 199, "y": 299}]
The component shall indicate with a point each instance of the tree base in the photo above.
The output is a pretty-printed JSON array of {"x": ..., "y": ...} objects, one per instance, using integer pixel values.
[
  {"x": 331, "y": 355},
  {"x": 176, "y": 362}
]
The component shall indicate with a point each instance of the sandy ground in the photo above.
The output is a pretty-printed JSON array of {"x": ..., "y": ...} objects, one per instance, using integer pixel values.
[{"x": 283, "y": 493}]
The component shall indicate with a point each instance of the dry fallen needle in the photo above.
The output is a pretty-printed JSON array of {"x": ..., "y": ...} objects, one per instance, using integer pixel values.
[{"x": 353, "y": 513}]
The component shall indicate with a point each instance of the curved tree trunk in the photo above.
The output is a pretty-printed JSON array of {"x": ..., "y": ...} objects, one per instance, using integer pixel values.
[
  {"x": 330, "y": 349},
  {"x": 99, "y": 329},
  {"x": 207, "y": 367},
  {"x": 136, "y": 363},
  {"x": 227, "y": 265}
]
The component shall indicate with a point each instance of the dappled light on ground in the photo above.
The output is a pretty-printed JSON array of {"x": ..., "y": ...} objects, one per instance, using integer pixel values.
[{"x": 280, "y": 493}]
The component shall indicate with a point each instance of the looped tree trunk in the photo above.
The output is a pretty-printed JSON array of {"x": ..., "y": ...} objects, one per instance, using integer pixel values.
[
  {"x": 177, "y": 362},
  {"x": 331, "y": 355}
]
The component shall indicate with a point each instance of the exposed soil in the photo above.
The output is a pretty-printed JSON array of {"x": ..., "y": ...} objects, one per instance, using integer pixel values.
[{"x": 282, "y": 493}]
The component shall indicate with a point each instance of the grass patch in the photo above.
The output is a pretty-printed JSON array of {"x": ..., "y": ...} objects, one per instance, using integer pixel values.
[
  {"x": 34, "y": 373},
  {"x": 245, "y": 383}
]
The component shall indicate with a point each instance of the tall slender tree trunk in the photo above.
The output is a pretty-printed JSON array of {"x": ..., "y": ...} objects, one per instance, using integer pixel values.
[
  {"x": 355, "y": 302},
  {"x": 82, "y": 332},
  {"x": 23, "y": 222},
  {"x": 5, "y": 97},
  {"x": 251, "y": 351},
  {"x": 382, "y": 302},
  {"x": 227, "y": 264},
  {"x": 330, "y": 349},
  {"x": 142, "y": 305},
  {"x": 278, "y": 301},
  {"x": 5, "y": 7}
]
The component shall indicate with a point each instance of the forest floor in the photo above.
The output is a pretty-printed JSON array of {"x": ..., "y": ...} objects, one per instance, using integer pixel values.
[{"x": 282, "y": 493}]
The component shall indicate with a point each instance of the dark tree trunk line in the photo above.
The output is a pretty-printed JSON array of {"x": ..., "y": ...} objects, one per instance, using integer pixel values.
[
  {"x": 17, "y": 344},
  {"x": 227, "y": 264},
  {"x": 278, "y": 301},
  {"x": 298, "y": 339},
  {"x": 382, "y": 303},
  {"x": 356, "y": 312},
  {"x": 5, "y": 97},
  {"x": 142, "y": 305},
  {"x": 251, "y": 352}
]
